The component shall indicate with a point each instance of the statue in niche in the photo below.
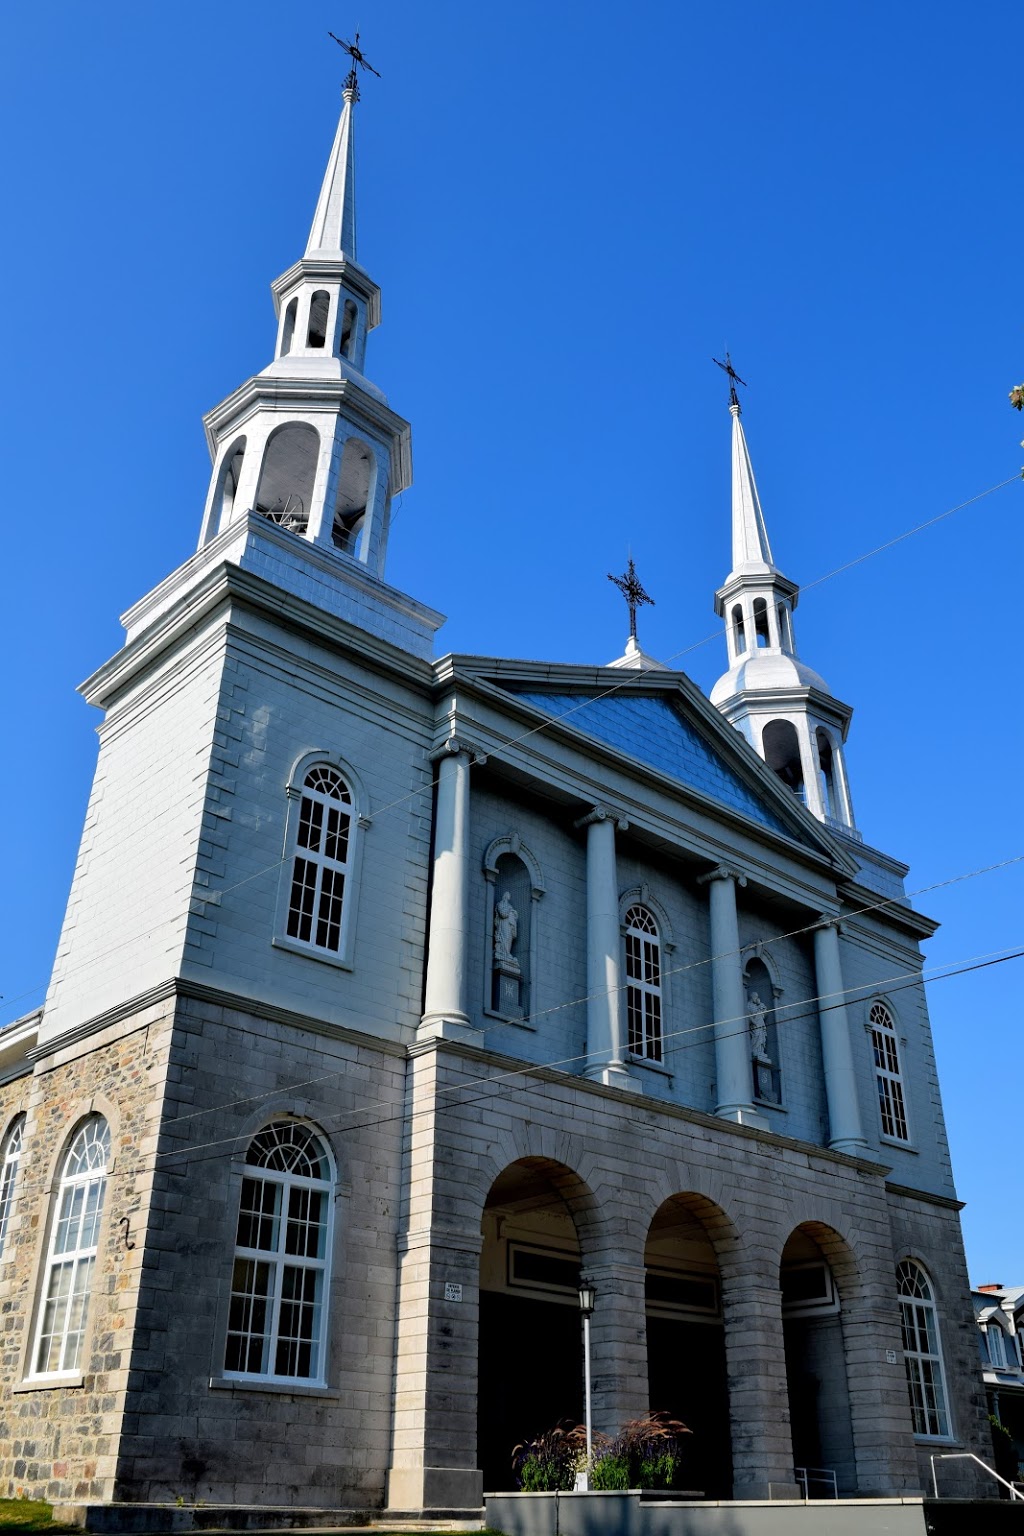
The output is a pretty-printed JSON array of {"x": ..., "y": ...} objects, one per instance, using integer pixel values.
[
  {"x": 758, "y": 1019},
  {"x": 506, "y": 927}
]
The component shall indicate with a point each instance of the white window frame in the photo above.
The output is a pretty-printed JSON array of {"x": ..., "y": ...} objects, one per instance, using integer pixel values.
[
  {"x": 13, "y": 1143},
  {"x": 646, "y": 997},
  {"x": 922, "y": 1354},
  {"x": 297, "y": 790},
  {"x": 75, "y": 1230},
  {"x": 889, "y": 1080},
  {"x": 282, "y": 1267}
]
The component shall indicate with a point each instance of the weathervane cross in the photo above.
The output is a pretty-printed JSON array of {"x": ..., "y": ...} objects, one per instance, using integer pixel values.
[
  {"x": 734, "y": 378},
  {"x": 629, "y": 585},
  {"x": 359, "y": 61}
]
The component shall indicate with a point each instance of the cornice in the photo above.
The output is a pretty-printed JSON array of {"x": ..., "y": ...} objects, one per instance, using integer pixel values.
[
  {"x": 925, "y": 1196},
  {"x": 226, "y": 582},
  {"x": 334, "y": 269}
]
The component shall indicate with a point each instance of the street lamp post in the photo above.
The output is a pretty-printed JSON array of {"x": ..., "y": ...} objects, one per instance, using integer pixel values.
[{"x": 586, "y": 1309}]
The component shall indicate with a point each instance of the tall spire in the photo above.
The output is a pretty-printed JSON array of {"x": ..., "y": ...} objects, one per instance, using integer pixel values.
[
  {"x": 334, "y": 222},
  {"x": 784, "y": 709},
  {"x": 751, "y": 550}
]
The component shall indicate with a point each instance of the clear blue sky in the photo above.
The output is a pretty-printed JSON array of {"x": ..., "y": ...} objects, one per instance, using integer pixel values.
[{"x": 570, "y": 208}]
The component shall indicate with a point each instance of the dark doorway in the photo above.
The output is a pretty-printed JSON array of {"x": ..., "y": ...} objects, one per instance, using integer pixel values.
[
  {"x": 531, "y": 1370},
  {"x": 819, "y": 1397},
  {"x": 687, "y": 1376}
]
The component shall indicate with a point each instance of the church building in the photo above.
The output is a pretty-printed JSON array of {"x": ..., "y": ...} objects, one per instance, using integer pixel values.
[{"x": 396, "y": 994}]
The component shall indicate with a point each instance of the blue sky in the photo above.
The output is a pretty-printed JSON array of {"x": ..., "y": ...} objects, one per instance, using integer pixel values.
[{"x": 570, "y": 208}]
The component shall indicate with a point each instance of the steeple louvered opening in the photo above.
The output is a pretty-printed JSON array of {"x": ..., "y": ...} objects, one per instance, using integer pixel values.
[
  {"x": 319, "y": 315},
  {"x": 762, "y": 634},
  {"x": 355, "y": 480}
]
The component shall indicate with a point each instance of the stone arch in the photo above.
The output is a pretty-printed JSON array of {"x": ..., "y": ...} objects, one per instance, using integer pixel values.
[
  {"x": 535, "y": 1216},
  {"x": 684, "y": 1316},
  {"x": 820, "y": 1283}
]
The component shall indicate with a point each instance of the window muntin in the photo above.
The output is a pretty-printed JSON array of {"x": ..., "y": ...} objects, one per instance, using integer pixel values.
[
  {"x": 71, "y": 1260},
  {"x": 9, "y": 1174},
  {"x": 643, "y": 985},
  {"x": 891, "y": 1103},
  {"x": 922, "y": 1354},
  {"x": 322, "y": 860},
  {"x": 280, "y": 1274}
]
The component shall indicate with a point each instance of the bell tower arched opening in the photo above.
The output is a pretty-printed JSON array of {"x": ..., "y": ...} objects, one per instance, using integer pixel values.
[
  {"x": 355, "y": 478},
  {"x": 288, "y": 475},
  {"x": 780, "y": 746}
]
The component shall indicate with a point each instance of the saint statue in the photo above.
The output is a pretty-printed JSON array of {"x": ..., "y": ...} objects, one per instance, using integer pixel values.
[
  {"x": 506, "y": 926},
  {"x": 758, "y": 1017}
]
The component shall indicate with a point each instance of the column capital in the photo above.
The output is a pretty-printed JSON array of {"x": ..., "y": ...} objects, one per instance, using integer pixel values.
[
  {"x": 722, "y": 872},
  {"x": 457, "y": 746},
  {"x": 827, "y": 920},
  {"x": 603, "y": 813}
]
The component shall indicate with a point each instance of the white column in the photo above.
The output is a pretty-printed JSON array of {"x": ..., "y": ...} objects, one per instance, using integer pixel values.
[
  {"x": 846, "y": 1134},
  {"x": 446, "y": 1001},
  {"x": 605, "y": 1056},
  {"x": 733, "y": 1068}
]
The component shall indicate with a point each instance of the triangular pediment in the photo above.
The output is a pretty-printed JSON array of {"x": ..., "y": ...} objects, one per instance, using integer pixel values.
[{"x": 655, "y": 730}]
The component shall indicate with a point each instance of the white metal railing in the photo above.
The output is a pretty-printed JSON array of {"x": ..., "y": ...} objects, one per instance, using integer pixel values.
[
  {"x": 805, "y": 1476},
  {"x": 970, "y": 1456}
]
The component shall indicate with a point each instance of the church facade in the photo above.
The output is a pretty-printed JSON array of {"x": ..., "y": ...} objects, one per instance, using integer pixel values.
[{"x": 396, "y": 994}]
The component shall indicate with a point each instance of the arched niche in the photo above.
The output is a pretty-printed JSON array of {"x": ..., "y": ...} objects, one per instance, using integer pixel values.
[
  {"x": 511, "y": 870},
  {"x": 686, "y": 1361},
  {"x": 356, "y": 475},
  {"x": 530, "y": 1341},
  {"x": 816, "y": 1274},
  {"x": 762, "y": 991},
  {"x": 288, "y": 475}
]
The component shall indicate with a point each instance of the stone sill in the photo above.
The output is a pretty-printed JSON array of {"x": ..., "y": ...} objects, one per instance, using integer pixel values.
[
  {"x": 48, "y": 1383},
  {"x": 279, "y": 1388},
  {"x": 279, "y": 941},
  {"x": 894, "y": 1141}
]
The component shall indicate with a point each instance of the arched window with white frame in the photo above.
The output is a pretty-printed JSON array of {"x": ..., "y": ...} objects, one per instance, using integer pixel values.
[
  {"x": 9, "y": 1160},
  {"x": 922, "y": 1352},
  {"x": 643, "y": 984},
  {"x": 321, "y": 860},
  {"x": 281, "y": 1268},
  {"x": 71, "y": 1256},
  {"x": 888, "y": 1076}
]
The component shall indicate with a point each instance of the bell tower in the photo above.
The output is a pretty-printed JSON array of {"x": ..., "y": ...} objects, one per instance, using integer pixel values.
[
  {"x": 310, "y": 443},
  {"x": 783, "y": 708}
]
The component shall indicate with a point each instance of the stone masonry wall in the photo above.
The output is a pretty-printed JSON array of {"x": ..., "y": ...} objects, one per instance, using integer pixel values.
[{"x": 60, "y": 1442}]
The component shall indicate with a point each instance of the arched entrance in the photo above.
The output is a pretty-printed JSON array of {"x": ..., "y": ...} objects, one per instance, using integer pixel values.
[
  {"x": 531, "y": 1346},
  {"x": 686, "y": 1369},
  {"x": 812, "y": 1327}
]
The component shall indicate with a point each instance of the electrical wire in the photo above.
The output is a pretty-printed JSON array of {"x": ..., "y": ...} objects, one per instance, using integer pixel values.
[{"x": 543, "y": 725}]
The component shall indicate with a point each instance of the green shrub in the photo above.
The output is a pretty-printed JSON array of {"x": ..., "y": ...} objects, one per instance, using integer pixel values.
[
  {"x": 549, "y": 1462},
  {"x": 610, "y": 1473}
]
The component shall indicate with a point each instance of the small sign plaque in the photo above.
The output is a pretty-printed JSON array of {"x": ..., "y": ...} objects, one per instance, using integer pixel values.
[
  {"x": 891, "y": 1356},
  {"x": 452, "y": 1290}
]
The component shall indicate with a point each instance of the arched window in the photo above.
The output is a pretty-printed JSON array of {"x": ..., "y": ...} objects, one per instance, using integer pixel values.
[
  {"x": 887, "y": 1073},
  {"x": 319, "y": 310},
  {"x": 643, "y": 984},
  {"x": 71, "y": 1258},
  {"x": 9, "y": 1174},
  {"x": 323, "y": 838},
  {"x": 780, "y": 746},
  {"x": 922, "y": 1352},
  {"x": 282, "y": 1247}
]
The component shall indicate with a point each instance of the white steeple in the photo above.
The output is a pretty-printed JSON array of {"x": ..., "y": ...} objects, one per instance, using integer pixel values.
[
  {"x": 310, "y": 443},
  {"x": 783, "y": 708}
]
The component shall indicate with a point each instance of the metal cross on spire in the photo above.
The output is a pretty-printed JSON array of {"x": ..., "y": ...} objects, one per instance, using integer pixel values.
[
  {"x": 629, "y": 585},
  {"x": 734, "y": 379},
  {"x": 359, "y": 61}
]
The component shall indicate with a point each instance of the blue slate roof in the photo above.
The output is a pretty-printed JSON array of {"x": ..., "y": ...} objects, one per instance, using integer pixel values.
[{"x": 654, "y": 731}]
